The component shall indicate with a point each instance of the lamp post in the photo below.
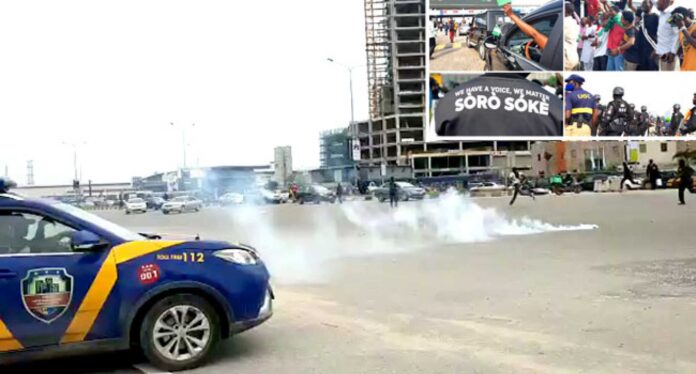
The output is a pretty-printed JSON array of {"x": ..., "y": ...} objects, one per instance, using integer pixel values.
[
  {"x": 183, "y": 141},
  {"x": 350, "y": 78}
]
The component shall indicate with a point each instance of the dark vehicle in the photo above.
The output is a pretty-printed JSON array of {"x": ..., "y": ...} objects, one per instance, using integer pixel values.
[
  {"x": 154, "y": 203},
  {"x": 482, "y": 28},
  {"x": 405, "y": 191},
  {"x": 517, "y": 51},
  {"x": 315, "y": 194}
]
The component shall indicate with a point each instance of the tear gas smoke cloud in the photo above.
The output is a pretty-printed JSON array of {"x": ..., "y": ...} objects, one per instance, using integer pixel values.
[{"x": 302, "y": 250}]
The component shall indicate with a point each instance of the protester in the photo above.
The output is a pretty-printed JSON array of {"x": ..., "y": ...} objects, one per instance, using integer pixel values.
[
  {"x": 517, "y": 179},
  {"x": 587, "y": 51},
  {"x": 617, "y": 33},
  {"x": 684, "y": 19},
  {"x": 685, "y": 174},
  {"x": 667, "y": 38},
  {"x": 452, "y": 30},
  {"x": 600, "y": 44},
  {"x": 580, "y": 111},
  {"x": 393, "y": 193},
  {"x": 676, "y": 119},
  {"x": 571, "y": 33},
  {"x": 433, "y": 38}
]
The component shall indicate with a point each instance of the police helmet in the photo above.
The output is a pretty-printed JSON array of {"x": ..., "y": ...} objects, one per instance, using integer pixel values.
[
  {"x": 618, "y": 91},
  {"x": 643, "y": 108},
  {"x": 597, "y": 98},
  {"x": 633, "y": 106},
  {"x": 677, "y": 106}
]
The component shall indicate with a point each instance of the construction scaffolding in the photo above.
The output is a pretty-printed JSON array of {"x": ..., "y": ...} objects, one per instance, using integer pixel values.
[{"x": 378, "y": 51}]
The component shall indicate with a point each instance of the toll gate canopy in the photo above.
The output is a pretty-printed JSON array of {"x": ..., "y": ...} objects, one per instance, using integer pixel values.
[{"x": 463, "y": 4}]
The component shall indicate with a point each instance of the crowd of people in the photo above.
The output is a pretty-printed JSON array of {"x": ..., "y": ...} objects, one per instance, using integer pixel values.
[
  {"x": 587, "y": 115},
  {"x": 619, "y": 35}
]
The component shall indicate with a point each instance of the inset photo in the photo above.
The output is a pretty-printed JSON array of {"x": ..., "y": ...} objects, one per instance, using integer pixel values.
[
  {"x": 495, "y": 105},
  {"x": 625, "y": 106},
  {"x": 490, "y": 35},
  {"x": 644, "y": 35}
]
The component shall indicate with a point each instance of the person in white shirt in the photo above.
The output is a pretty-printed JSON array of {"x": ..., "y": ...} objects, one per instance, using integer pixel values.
[
  {"x": 571, "y": 33},
  {"x": 600, "y": 46},
  {"x": 516, "y": 180},
  {"x": 433, "y": 38},
  {"x": 667, "y": 38},
  {"x": 587, "y": 54}
]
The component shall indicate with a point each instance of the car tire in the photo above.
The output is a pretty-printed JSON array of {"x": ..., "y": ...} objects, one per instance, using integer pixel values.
[
  {"x": 381, "y": 199},
  {"x": 197, "y": 306},
  {"x": 482, "y": 50},
  {"x": 165, "y": 211}
]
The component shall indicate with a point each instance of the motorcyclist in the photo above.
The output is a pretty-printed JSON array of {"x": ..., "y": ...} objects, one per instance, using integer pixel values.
[
  {"x": 617, "y": 115},
  {"x": 676, "y": 120}
]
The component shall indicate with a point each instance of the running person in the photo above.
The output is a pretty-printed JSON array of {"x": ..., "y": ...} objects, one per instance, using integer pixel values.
[
  {"x": 517, "y": 179},
  {"x": 685, "y": 174},
  {"x": 627, "y": 176}
]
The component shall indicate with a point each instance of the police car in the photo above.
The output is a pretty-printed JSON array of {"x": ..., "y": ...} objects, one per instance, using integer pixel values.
[{"x": 72, "y": 282}]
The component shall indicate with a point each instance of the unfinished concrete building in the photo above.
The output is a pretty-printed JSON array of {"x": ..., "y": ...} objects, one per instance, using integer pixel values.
[{"x": 396, "y": 47}]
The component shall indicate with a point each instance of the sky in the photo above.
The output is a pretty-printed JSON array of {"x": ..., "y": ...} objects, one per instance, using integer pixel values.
[
  {"x": 659, "y": 91},
  {"x": 106, "y": 78}
]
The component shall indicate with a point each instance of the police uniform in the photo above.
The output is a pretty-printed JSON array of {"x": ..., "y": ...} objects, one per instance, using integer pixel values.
[
  {"x": 499, "y": 105},
  {"x": 616, "y": 117},
  {"x": 674, "y": 123},
  {"x": 581, "y": 105},
  {"x": 601, "y": 108}
]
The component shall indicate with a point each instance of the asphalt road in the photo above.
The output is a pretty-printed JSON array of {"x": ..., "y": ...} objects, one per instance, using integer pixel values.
[
  {"x": 455, "y": 56},
  {"x": 453, "y": 286}
]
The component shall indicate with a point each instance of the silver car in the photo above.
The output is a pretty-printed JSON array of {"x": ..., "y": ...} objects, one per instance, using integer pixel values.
[{"x": 182, "y": 204}]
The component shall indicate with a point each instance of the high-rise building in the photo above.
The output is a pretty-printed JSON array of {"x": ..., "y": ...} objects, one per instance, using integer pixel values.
[
  {"x": 282, "y": 164},
  {"x": 334, "y": 148},
  {"x": 396, "y": 35}
]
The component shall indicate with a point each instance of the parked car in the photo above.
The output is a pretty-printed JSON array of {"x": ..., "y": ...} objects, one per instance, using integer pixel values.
[
  {"x": 482, "y": 28},
  {"x": 182, "y": 204},
  {"x": 136, "y": 205},
  {"x": 154, "y": 202},
  {"x": 404, "y": 191},
  {"x": 517, "y": 51},
  {"x": 464, "y": 26},
  {"x": 231, "y": 198},
  {"x": 271, "y": 197},
  {"x": 315, "y": 193}
]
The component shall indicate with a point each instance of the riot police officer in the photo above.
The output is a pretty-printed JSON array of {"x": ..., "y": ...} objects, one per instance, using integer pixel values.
[
  {"x": 597, "y": 128},
  {"x": 632, "y": 129},
  {"x": 643, "y": 121},
  {"x": 617, "y": 115},
  {"x": 675, "y": 121}
]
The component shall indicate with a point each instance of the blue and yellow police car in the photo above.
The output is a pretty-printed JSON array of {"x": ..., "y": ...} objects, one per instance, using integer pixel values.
[{"x": 72, "y": 282}]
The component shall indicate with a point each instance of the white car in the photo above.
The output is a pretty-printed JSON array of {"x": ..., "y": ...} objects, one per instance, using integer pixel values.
[
  {"x": 136, "y": 205},
  {"x": 182, "y": 204},
  {"x": 232, "y": 198}
]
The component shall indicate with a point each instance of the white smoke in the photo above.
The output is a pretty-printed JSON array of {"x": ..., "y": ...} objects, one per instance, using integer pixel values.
[{"x": 301, "y": 249}]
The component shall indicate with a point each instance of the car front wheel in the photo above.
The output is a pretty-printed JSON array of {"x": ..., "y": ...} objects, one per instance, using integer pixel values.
[{"x": 179, "y": 332}]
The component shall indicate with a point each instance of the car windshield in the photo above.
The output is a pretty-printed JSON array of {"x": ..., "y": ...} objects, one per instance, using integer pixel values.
[
  {"x": 136, "y": 200},
  {"x": 405, "y": 185},
  {"x": 109, "y": 226}
]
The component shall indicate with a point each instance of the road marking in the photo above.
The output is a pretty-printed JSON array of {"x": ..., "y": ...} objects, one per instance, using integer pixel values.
[
  {"x": 149, "y": 369},
  {"x": 456, "y": 45},
  {"x": 440, "y": 47}
]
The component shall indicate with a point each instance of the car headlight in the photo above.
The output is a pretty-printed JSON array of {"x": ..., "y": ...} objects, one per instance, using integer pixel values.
[{"x": 238, "y": 256}]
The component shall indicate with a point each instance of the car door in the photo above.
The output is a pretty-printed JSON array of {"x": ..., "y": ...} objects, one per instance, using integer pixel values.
[
  {"x": 519, "y": 49},
  {"x": 44, "y": 281}
]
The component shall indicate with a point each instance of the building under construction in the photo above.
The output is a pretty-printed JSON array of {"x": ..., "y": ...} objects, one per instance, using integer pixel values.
[{"x": 396, "y": 47}]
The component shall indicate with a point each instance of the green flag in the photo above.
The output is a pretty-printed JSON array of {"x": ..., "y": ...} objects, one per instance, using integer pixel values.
[{"x": 504, "y": 2}]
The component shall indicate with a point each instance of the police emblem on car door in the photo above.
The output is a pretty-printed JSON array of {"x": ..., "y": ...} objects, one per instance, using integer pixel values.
[{"x": 46, "y": 293}]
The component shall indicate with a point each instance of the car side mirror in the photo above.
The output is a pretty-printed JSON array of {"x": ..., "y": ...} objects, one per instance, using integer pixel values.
[
  {"x": 85, "y": 241},
  {"x": 490, "y": 43}
]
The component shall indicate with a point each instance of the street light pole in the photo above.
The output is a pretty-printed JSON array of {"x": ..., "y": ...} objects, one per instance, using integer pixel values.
[
  {"x": 350, "y": 79},
  {"x": 183, "y": 142}
]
